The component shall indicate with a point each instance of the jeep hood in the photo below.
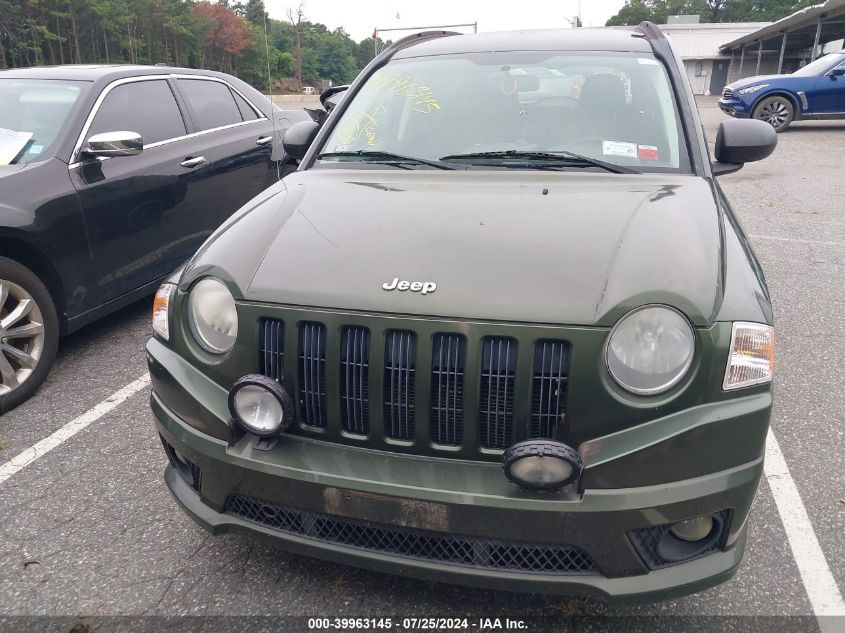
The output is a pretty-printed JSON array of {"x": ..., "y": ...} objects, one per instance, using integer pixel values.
[{"x": 577, "y": 248}]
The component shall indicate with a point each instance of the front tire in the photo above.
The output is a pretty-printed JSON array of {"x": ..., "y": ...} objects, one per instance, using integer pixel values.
[
  {"x": 777, "y": 111},
  {"x": 29, "y": 333}
]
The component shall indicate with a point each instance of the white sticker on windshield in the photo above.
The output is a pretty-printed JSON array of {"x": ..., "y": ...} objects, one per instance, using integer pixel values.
[
  {"x": 35, "y": 149},
  {"x": 619, "y": 148},
  {"x": 648, "y": 61},
  {"x": 11, "y": 144}
]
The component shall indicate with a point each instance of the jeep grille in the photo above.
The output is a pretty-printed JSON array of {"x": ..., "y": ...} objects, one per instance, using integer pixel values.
[{"x": 477, "y": 395}]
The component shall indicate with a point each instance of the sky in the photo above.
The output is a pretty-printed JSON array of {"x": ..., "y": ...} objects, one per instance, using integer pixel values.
[{"x": 360, "y": 17}]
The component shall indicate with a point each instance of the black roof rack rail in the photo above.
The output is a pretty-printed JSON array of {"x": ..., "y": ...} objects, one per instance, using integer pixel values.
[
  {"x": 651, "y": 31},
  {"x": 413, "y": 39}
]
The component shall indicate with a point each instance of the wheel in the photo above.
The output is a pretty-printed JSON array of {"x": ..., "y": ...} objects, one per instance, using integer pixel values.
[
  {"x": 777, "y": 111},
  {"x": 29, "y": 333}
]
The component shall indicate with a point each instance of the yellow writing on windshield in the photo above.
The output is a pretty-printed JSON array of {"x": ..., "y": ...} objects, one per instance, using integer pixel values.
[{"x": 404, "y": 86}]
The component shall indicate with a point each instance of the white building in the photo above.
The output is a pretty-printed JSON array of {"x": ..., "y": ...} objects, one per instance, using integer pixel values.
[{"x": 698, "y": 45}]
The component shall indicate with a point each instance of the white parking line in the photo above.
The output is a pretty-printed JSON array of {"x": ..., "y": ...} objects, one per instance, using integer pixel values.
[
  {"x": 24, "y": 459},
  {"x": 818, "y": 581}
]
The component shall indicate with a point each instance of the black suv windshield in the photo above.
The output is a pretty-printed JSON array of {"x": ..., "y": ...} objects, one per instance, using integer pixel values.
[
  {"x": 500, "y": 109},
  {"x": 32, "y": 113}
]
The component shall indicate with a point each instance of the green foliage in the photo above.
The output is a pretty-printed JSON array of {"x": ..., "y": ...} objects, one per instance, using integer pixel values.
[
  {"x": 635, "y": 11},
  {"x": 228, "y": 35}
]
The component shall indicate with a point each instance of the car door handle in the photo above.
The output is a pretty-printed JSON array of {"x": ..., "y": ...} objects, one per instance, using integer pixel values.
[
  {"x": 190, "y": 163},
  {"x": 264, "y": 140}
]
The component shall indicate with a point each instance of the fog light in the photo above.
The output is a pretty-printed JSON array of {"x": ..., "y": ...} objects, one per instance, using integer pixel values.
[
  {"x": 690, "y": 538},
  {"x": 693, "y": 529},
  {"x": 260, "y": 405},
  {"x": 541, "y": 464}
]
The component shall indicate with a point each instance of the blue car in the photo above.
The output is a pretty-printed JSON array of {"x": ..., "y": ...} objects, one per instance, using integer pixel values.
[{"x": 816, "y": 91}]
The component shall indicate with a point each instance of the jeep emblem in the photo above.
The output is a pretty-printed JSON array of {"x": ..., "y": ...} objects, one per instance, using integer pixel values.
[{"x": 423, "y": 287}]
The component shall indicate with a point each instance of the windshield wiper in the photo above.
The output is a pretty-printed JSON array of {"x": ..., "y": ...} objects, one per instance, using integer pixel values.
[
  {"x": 385, "y": 157},
  {"x": 570, "y": 158}
]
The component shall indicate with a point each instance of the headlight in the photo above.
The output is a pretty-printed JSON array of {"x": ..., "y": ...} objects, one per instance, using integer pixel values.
[
  {"x": 752, "y": 89},
  {"x": 161, "y": 311},
  {"x": 650, "y": 350},
  {"x": 212, "y": 315},
  {"x": 752, "y": 358}
]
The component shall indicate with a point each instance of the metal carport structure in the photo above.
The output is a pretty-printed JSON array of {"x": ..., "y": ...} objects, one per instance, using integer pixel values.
[{"x": 789, "y": 39}]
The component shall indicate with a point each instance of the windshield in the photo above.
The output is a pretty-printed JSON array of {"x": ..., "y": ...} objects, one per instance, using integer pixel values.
[
  {"x": 820, "y": 65},
  {"x": 614, "y": 108},
  {"x": 32, "y": 113}
]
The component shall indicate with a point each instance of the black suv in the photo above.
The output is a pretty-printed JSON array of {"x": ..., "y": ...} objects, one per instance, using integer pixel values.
[{"x": 110, "y": 178}]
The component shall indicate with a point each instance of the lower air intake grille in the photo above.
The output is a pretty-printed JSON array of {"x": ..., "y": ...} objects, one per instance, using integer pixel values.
[
  {"x": 354, "y": 377},
  {"x": 498, "y": 364},
  {"x": 400, "y": 352},
  {"x": 548, "y": 388},
  {"x": 272, "y": 348},
  {"x": 416, "y": 544},
  {"x": 312, "y": 373},
  {"x": 447, "y": 389}
]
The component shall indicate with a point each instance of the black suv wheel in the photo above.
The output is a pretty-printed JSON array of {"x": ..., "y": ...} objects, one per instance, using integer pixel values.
[{"x": 29, "y": 333}]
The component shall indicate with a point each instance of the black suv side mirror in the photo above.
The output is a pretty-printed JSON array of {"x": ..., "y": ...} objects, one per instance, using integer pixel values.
[
  {"x": 835, "y": 72},
  {"x": 298, "y": 138},
  {"x": 332, "y": 96},
  {"x": 741, "y": 141}
]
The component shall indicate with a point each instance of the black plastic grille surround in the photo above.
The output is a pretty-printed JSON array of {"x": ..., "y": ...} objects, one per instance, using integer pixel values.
[
  {"x": 498, "y": 368},
  {"x": 416, "y": 544},
  {"x": 447, "y": 389},
  {"x": 548, "y": 388},
  {"x": 400, "y": 354},
  {"x": 645, "y": 542},
  {"x": 312, "y": 373},
  {"x": 354, "y": 380}
]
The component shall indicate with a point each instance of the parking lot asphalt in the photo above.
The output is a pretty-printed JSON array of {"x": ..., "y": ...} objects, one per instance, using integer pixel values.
[{"x": 89, "y": 528}]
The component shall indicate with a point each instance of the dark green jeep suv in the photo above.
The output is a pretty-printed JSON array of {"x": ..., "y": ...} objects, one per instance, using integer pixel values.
[{"x": 501, "y": 327}]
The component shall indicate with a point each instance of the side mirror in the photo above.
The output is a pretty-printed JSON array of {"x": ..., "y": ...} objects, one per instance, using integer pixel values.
[
  {"x": 298, "y": 138},
  {"x": 111, "y": 144},
  {"x": 332, "y": 96},
  {"x": 835, "y": 72},
  {"x": 741, "y": 141}
]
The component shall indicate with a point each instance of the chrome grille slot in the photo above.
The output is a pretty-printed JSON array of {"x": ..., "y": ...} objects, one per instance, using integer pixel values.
[
  {"x": 447, "y": 389},
  {"x": 727, "y": 93},
  {"x": 354, "y": 380},
  {"x": 498, "y": 365},
  {"x": 272, "y": 348},
  {"x": 548, "y": 388},
  {"x": 312, "y": 373},
  {"x": 400, "y": 351}
]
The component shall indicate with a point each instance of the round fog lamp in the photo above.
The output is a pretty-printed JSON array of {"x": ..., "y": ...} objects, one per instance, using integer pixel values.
[
  {"x": 260, "y": 405},
  {"x": 694, "y": 529},
  {"x": 541, "y": 464}
]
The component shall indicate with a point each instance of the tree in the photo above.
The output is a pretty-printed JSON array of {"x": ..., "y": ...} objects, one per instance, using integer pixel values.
[
  {"x": 226, "y": 32},
  {"x": 296, "y": 17},
  {"x": 635, "y": 11}
]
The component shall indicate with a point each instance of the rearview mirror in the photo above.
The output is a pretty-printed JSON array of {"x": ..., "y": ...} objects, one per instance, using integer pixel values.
[
  {"x": 298, "y": 138},
  {"x": 112, "y": 144},
  {"x": 835, "y": 72},
  {"x": 741, "y": 141}
]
